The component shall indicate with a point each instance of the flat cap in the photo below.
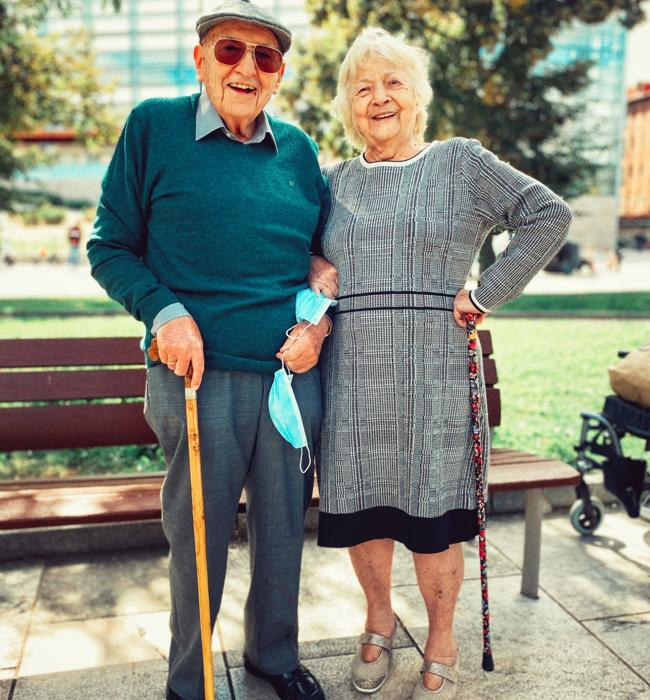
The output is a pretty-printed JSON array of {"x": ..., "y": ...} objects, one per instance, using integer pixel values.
[{"x": 244, "y": 11}]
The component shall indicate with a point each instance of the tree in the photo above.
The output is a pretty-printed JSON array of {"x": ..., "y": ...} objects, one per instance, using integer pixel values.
[
  {"x": 487, "y": 73},
  {"x": 45, "y": 83}
]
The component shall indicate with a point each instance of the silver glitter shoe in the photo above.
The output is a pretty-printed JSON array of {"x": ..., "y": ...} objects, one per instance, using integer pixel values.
[
  {"x": 449, "y": 688},
  {"x": 369, "y": 676}
]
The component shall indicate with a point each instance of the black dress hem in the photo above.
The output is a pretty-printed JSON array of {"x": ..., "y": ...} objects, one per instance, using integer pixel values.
[{"x": 420, "y": 535}]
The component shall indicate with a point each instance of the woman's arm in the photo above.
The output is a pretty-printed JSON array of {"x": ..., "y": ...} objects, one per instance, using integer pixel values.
[{"x": 537, "y": 217}]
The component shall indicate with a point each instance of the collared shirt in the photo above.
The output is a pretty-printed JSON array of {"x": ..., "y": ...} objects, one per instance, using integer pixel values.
[{"x": 207, "y": 121}]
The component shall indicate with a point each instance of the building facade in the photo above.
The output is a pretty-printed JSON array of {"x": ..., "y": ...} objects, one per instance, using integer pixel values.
[
  {"x": 635, "y": 191},
  {"x": 595, "y": 222},
  {"x": 145, "y": 49}
]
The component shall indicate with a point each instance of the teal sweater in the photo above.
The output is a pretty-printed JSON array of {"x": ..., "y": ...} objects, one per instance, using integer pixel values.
[{"x": 222, "y": 227}]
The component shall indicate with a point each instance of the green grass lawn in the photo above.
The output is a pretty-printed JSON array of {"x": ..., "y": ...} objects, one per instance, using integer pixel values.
[
  {"x": 64, "y": 306},
  {"x": 598, "y": 304},
  {"x": 549, "y": 370},
  {"x": 69, "y": 327}
]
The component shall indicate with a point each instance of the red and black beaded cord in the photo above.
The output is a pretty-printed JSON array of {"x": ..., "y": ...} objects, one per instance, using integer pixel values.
[{"x": 477, "y": 455}]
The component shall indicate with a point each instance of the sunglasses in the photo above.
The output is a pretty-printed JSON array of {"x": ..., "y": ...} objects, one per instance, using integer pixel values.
[{"x": 232, "y": 51}]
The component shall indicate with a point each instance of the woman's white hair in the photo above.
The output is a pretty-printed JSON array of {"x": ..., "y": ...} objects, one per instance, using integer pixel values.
[{"x": 379, "y": 43}]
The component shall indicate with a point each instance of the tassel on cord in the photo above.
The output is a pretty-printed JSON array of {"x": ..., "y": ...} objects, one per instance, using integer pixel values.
[{"x": 477, "y": 455}]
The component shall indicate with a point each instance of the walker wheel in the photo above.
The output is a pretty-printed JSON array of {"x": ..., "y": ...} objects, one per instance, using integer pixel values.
[
  {"x": 644, "y": 504},
  {"x": 578, "y": 515}
]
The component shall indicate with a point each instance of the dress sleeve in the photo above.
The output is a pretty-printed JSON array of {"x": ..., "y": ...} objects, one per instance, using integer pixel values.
[
  {"x": 538, "y": 219},
  {"x": 119, "y": 238}
]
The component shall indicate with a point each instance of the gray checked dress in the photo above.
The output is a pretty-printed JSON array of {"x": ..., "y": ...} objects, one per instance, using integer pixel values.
[{"x": 395, "y": 452}]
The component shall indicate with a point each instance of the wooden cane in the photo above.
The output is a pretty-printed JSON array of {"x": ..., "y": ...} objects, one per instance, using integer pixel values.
[{"x": 198, "y": 522}]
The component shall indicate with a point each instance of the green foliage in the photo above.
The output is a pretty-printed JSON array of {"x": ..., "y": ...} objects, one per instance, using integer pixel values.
[
  {"x": 486, "y": 72},
  {"x": 45, "y": 82},
  {"x": 95, "y": 461},
  {"x": 43, "y": 214}
]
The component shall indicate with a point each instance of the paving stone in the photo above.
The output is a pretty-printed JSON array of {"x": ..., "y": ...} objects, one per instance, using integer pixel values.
[
  {"x": 69, "y": 646},
  {"x": 134, "y": 681},
  {"x": 153, "y": 628},
  {"x": 539, "y": 650},
  {"x": 333, "y": 674},
  {"x": 77, "y": 539},
  {"x": 18, "y": 590},
  {"x": 602, "y": 575},
  {"x": 499, "y": 564},
  {"x": 332, "y": 606},
  {"x": 327, "y": 580},
  {"x": 629, "y": 637},
  {"x": 103, "y": 585}
]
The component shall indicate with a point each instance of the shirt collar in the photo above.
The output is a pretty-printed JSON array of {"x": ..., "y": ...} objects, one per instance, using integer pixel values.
[{"x": 209, "y": 120}]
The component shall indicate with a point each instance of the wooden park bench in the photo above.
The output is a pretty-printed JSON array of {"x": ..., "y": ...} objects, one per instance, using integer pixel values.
[{"x": 87, "y": 392}]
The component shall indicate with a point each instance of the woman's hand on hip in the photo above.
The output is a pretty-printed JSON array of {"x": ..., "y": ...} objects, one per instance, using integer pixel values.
[
  {"x": 463, "y": 305},
  {"x": 323, "y": 277}
]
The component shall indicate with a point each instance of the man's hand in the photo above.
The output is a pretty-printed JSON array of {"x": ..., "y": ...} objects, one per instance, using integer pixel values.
[
  {"x": 323, "y": 277},
  {"x": 302, "y": 353},
  {"x": 463, "y": 305},
  {"x": 180, "y": 347}
]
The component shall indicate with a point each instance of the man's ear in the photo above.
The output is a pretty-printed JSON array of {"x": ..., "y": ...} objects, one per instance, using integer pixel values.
[
  {"x": 278, "y": 80},
  {"x": 199, "y": 61}
]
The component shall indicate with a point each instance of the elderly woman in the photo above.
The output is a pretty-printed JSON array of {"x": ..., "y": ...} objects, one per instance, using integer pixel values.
[{"x": 407, "y": 220}]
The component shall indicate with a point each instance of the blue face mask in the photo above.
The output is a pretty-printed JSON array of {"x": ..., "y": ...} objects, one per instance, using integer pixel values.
[
  {"x": 285, "y": 413},
  {"x": 311, "y": 306},
  {"x": 283, "y": 407}
]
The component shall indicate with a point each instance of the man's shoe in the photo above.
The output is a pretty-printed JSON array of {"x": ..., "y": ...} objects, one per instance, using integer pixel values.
[{"x": 298, "y": 684}]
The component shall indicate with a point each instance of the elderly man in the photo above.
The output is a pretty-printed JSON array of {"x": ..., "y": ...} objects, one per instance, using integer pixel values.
[{"x": 208, "y": 213}]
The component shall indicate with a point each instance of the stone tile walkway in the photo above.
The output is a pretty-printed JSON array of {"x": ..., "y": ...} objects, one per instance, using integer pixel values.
[{"x": 82, "y": 627}]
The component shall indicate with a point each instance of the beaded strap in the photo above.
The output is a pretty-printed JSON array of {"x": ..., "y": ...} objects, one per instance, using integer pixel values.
[{"x": 477, "y": 456}]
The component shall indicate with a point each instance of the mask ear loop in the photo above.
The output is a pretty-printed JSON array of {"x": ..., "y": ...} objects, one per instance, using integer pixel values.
[
  {"x": 306, "y": 469},
  {"x": 302, "y": 332},
  {"x": 284, "y": 369}
]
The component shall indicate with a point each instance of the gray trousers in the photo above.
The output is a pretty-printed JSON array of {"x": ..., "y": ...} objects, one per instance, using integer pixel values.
[{"x": 240, "y": 447}]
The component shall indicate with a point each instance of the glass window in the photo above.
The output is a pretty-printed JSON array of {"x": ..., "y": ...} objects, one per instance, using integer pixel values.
[
  {"x": 112, "y": 43},
  {"x": 157, "y": 23}
]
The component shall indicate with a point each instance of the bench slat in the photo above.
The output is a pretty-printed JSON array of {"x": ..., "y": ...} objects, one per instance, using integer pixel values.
[
  {"x": 77, "y": 352},
  {"x": 493, "y": 397},
  {"x": 489, "y": 371},
  {"x": 80, "y": 384},
  {"x": 100, "y": 500},
  {"x": 70, "y": 352},
  {"x": 528, "y": 471},
  {"x": 59, "y": 427}
]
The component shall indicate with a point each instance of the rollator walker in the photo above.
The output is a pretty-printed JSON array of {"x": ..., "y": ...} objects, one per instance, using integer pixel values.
[{"x": 600, "y": 447}]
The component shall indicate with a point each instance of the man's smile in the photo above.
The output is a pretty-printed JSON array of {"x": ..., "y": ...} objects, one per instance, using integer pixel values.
[{"x": 242, "y": 88}]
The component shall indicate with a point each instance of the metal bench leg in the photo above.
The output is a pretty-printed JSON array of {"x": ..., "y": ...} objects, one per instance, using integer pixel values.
[{"x": 532, "y": 543}]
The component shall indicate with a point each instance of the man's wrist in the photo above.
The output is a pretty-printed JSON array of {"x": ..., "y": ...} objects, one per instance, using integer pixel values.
[{"x": 167, "y": 314}]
